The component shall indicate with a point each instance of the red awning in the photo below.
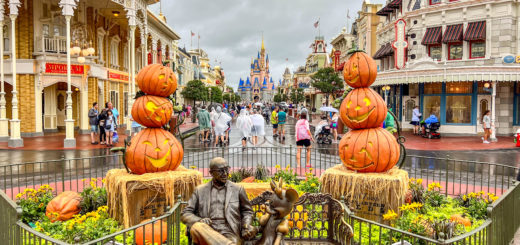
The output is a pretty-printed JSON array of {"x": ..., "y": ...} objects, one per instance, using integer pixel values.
[
  {"x": 384, "y": 11},
  {"x": 453, "y": 33},
  {"x": 475, "y": 31},
  {"x": 377, "y": 55},
  {"x": 385, "y": 50},
  {"x": 433, "y": 35},
  {"x": 395, "y": 4}
]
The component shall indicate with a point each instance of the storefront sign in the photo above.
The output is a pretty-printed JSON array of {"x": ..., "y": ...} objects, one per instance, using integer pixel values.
[
  {"x": 149, "y": 58},
  {"x": 59, "y": 68},
  {"x": 510, "y": 59},
  {"x": 400, "y": 44},
  {"x": 337, "y": 54},
  {"x": 117, "y": 76}
]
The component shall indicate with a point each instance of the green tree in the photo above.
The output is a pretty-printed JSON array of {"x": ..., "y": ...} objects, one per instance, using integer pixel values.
[
  {"x": 216, "y": 94},
  {"x": 227, "y": 97},
  {"x": 297, "y": 95},
  {"x": 236, "y": 98},
  {"x": 327, "y": 81},
  {"x": 277, "y": 98},
  {"x": 196, "y": 91},
  {"x": 229, "y": 89}
]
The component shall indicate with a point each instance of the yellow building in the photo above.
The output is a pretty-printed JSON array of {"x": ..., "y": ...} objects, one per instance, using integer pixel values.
[
  {"x": 367, "y": 23},
  {"x": 108, "y": 36}
]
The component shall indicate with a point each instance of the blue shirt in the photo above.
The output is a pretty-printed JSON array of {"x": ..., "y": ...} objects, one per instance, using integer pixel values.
[
  {"x": 431, "y": 119},
  {"x": 281, "y": 117}
]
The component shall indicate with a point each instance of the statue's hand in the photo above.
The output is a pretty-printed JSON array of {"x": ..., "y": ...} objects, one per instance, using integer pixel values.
[
  {"x": 206, "y": 221},
  {"x": 248, "y": 231}
]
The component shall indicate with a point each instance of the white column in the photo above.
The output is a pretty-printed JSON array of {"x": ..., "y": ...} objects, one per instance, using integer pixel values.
[
  {"x": 131, "y": 72},
  {"x": 4, "y": 122},
  {"x": 493, "y": 137},
  {"x": 84, "y": 127},
  {"x": 16, "y": 139},
  {"x": 154, "y": 51}
]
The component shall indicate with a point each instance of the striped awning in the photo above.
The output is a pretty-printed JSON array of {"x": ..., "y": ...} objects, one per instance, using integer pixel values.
[
  {"x": 384, "y": 51},
  {"x": 475, "y": 31},
  {"x": 453, "y": 33},
  {"x": 377, "y": 55},
  {"x": 433, "y": 36},
  {"x": 384, "y": 11},
  {"x": 395, "y": 4}
]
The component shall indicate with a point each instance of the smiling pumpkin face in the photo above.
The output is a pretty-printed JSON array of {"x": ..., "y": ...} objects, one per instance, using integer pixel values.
[
  {"x": 157, "y": 80},
  {"x": 363, "y": 108},
  {"x": 153, "y": 150},
  {"x": 360, "y": 70},
  {"x": 369, "y": 150},
  {"x": 152, "y": 111}
]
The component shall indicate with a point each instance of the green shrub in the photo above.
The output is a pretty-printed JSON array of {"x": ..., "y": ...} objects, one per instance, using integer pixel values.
[{"x": 34, "y": 202}]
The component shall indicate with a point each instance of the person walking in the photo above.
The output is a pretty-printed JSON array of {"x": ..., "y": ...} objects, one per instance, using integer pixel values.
[
  {"x": 334, "y": 126},
  {"x": 303, "y": 139},
  {"x": 486, "y": 123},
  {"x": 93, "y": 121},
  {"x": 258, "y": 127},
  {"x": 221, "y": 125},
  {"x": 244, "y": 125},
  {"x": 102, "y": 116},
  {"x": 416, "y": 119},
  {"x": 282, "y": 117},
  {"x": 274, "y": 121},
  {"x": 204, "y": 122},
  {"x": 110, "y": 127},
  {"x": 114, "y": 110}
]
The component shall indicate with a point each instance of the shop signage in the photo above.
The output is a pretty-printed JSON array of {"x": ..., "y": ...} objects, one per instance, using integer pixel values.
[
  {"x": 510, "y": 59},
  {"x": 149, "y": 58},
  {"x": 400, "y": 44},
  {"x": 117, "y": 76},
  {"x": 59, "y": 68},
  {"x": 337, "y": 54}
]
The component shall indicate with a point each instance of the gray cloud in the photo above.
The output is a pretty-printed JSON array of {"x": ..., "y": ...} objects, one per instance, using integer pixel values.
[{"x": 231, "y": 30}]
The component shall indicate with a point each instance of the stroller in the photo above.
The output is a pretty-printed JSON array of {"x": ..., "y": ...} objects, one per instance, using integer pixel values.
[
  {"x": 323, "y": 134},
  {"x": 430, "y": 131},
  {"x": 115, "y": 138}
]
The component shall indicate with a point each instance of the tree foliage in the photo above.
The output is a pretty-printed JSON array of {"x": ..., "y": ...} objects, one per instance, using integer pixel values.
[
  {"x": 216, "y": 94},
  {"x": 277, "y": 98},
  {"x": 297, "y": 95},
  {"x": 227, "y": 97},
  {"x": 327, "y": 81},
  {"x": 195, "y": 90}
]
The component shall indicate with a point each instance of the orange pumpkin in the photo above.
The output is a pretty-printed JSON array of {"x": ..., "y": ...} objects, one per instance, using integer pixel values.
[
  {"x": 63, "y": 206},
  {"x": 153, "y": 150},
  {"x": 360, "y": 70},
  {"x": 461, "y": 220},
  {"x": 369, "y": 150},
  {"x": 363, "y": 108},
  {"x": 152, "y": 111},
  {"x": 157, "y": 80},
  {"x": 154, "y": 233}
]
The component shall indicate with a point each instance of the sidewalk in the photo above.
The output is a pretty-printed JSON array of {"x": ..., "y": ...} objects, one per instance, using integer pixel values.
[{"x": 55, "y": 141}]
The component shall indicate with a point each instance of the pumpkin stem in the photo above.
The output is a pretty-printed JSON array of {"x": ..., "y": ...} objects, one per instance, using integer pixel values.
[{"x": 355, "y": 50}]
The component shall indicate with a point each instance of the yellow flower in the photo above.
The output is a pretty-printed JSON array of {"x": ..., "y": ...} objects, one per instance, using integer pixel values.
[
  {"x": 412, "y": 206},
  {"x": 464, "y": 198},
  {"x": 390, "y": 215},
  {"x": 287, "y": 167},
  {"x": 310, "y": 169},
  {"x": 103, "y": 180},
  {"x": 193, "y": 167},
  {"x": 41, "y": 205},
  {"x": 433, "y": 186},
  {"x": 313, "y": 185},
  {"x": 277, "y": 166},
  {"x": 419, "y": 181},
  {"x": 19, "y": 195}
]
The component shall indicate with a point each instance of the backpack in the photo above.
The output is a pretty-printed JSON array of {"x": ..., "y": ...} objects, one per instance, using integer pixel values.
[{"x": 301, "y": 131}]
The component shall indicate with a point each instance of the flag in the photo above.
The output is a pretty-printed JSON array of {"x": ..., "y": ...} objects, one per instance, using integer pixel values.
[
  {"x": 348, "y": 14},
  {"x": 286, "y": 59},
  {"x": 192, "y": 34},
  {"x": 317, "y": 24},
  {"x": 199, "y": 36}
]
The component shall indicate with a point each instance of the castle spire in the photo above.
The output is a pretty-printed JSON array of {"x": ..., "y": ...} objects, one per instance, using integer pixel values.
[{"x": 263, "y": 46}]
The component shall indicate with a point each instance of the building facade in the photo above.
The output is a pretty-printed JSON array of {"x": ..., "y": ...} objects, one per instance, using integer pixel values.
[
  {"x": 341, "y": 44},
  {"x": 259, "y": 86},
  {"x": 367, "y": 23},
  {"x": 453, "y": 59},
  {"x": 105, "y": 37}
]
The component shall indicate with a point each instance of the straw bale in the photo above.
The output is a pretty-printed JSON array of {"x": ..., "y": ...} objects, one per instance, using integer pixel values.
[
  {"x": 133, "y": 198},
  {"x": 369, "y": 195}
]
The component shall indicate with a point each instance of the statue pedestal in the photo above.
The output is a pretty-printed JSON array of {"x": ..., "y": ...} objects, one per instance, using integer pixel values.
[
  {"x": 134, "y": 198},
  {"x": 369, "y": 195}
]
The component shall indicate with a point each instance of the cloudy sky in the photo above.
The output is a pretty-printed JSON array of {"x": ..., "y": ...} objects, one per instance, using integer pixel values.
[{"x": 231, "y": 30}]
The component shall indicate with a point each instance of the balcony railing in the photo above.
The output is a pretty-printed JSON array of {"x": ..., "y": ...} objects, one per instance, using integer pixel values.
[{"x": 56, "y": 45}]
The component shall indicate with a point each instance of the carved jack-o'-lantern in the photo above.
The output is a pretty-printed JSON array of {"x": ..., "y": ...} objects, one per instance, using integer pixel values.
[
  {"x": 363, "y": 108},
  {"x": 369, "y": 150},
  {"x": 153, "y": 150},
  {"x": 360, "y": 70},
  {"x": 157, "y": 79},
  {"x": 152, "y": 111}
]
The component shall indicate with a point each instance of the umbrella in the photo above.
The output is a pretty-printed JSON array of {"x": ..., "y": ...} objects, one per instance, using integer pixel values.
[{"x": 328, "y": 109}]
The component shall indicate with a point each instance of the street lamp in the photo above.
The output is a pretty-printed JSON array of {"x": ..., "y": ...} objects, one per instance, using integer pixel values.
[{"x": 386, "y": 90}]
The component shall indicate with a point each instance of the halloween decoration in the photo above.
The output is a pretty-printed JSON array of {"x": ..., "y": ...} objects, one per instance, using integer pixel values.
[
  {"x": 154, "y": 233},
  {"x": 460, "y": 220},
  {"x": 63, "y": 206},
  {"x": 363, "y": 108},
  {"x": 157, "y": 80},
  {"x": 369, "y": 150},
  {"x": 152, "y": 111},
  {"x": 273, "y": 224},
  {"x": 360, "y": 70},
  {"x": 153, "y": 150}
]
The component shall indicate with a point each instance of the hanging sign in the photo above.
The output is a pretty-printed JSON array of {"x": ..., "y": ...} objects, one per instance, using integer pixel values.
[
  {"x": 117, "y": 75},
  {"x": 59, "y": 68},
  {"x": 337, "y": 54},
  {"x": 400, "y": 44}
]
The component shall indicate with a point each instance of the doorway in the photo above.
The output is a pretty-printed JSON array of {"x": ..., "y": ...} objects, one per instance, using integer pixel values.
[{"x": 484, "y": 104}]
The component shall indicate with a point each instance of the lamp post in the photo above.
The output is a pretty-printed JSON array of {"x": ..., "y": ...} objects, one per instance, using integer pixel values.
[
  {"x": 386, "y": 90},
  {"x": 493, "y": 137},
  {"x": 131, "y": 15},
  {"x": 16, "y": 139},
  {"x": 4, "y": 122}
]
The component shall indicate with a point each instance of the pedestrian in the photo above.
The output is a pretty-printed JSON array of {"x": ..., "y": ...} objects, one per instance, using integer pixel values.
[
  {"x": 204, "y": 122},
  {"x": 212, "y": 114},
  {"x": 244, "y": 125},
  {"x": 486, "y": 123},
  {"x": 282, "y": 117},
  {"x": 221, "y": 120},
  {"x": 274, "y": 121},
  {"x": 258, "y": 127},
  {"x": 303, "y": 138},
  {"x": 334, "y": 126},
  {"x": 110, "y": 127},
  {"x": 93, "y": 121},
  {"x": 101, "y": 123},
  {"x": 136, "y": 127},
  {"x": 416, "y": 119},
  {"x": 114, "y": 110}
]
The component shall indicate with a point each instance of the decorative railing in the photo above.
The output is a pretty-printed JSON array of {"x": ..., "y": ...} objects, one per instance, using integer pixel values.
[{"x": 54, "y": 45}]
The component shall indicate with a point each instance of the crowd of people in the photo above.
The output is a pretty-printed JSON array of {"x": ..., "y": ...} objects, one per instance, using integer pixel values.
[{"x": 104, "y": 123}]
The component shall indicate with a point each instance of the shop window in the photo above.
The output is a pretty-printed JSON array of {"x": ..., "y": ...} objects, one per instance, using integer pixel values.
[
  {"x": 432, "y": 88},
  {"x": 432, "y": 105},
  {"x": 477, "y": 49},
  {"x": 482, "y": 88},
  {"x": 435, "y": 51},
  {"x": 455, "y": 51},
  {"x": 459, "y": 88},
  {"x": 114, "y": 98},
  {"x": 126, "y": 59},
  {"x": 125, "y": 102},
  {"x": 114, "y": 52},
  {"x": 6, "y": 38},
  {"x": 458, "y": 109},
  {"x": 433, "y": 2},
  {"x": 410, "y": 105}
]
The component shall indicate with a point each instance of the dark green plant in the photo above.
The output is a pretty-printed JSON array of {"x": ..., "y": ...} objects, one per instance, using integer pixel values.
[
  {"x": 297, "y": 95},
  {"x": 433, "y": 196},
  {"x": 216, "y": 94},
  {"x": 241, "y": 174},
  {"x": 196, "y": 91},
  {"x": 443, "y": 229},
  {"x": 288, "y": 175},
  {"x": 34, "y": 202},
  {"x": 261, "y": 173},
  {"x": 92, "y": 198},
  {"x": 311, "y": 184},
  {"x": 327, "y": 81}
]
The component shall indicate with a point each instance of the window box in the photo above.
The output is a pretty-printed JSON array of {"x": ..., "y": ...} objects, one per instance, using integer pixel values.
[
  {"x": 455, "y": 51},
  {"x": 477, "y": 49}
]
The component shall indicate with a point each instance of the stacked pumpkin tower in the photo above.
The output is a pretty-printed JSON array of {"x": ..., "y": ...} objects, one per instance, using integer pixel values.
[
  {"x": 153, "y": 158},
  {"x": 368, "y": 178}
]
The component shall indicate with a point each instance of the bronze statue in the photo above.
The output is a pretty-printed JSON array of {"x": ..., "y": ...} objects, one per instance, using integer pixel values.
[
  {"x": 274, "y": 225},
  {"x": 219, "y": 211}
]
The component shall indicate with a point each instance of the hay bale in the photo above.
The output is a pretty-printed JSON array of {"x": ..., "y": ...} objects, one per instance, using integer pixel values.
[
  {"x": 255, "y": 189},
  {"x": 369, "y": 195},
  {"x": 133, "y": 198}
]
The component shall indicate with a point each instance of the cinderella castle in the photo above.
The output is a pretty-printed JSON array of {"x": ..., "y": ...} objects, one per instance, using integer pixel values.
[{"x": 259, "y": 86}]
